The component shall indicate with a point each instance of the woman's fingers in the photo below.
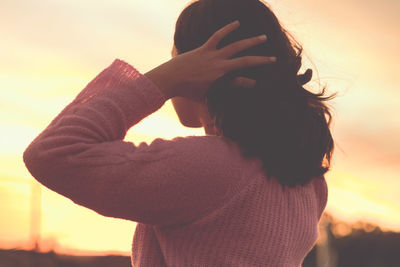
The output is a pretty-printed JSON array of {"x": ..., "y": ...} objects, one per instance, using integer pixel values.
[
  {"x": 214, "y": 40},
  {"x": 248, "y": 61},
  {"x": 232, "y": 49}
]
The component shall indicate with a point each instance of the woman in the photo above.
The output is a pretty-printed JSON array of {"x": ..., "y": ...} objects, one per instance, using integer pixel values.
[{"x": 248, "y": 193}]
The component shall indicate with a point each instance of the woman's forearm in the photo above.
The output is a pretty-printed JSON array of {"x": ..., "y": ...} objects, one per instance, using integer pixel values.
[{"x": 164, "y": 80}]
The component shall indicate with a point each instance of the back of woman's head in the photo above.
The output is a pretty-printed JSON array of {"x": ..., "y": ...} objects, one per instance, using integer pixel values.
[{"x": 277, "y": 121}]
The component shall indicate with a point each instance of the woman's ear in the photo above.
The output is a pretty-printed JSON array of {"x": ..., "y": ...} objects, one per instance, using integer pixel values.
[{"x": 187, "y": 111}]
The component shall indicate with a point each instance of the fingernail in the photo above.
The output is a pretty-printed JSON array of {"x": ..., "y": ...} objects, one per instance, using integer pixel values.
[
  {"x": 263, "y": 37},
  {"x": 272, "y": 59},
  {"x": 236, "y": 22}
]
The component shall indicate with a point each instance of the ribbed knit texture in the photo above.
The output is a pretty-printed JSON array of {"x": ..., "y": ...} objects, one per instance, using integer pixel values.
[{"x": 197, "y": 200}]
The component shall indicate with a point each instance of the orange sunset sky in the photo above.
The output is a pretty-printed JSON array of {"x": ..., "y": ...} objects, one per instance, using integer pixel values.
[{"x": 50, "y": 50}]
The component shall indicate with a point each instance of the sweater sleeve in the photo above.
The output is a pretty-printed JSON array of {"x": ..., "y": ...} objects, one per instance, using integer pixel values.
[{"x": 81, "y": 155}]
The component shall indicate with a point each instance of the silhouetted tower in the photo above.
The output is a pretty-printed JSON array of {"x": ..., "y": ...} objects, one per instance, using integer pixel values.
[{"x": 36, "y": 214}]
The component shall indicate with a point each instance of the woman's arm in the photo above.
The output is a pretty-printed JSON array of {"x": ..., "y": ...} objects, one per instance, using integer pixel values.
[{"x": 82, "y": 155}]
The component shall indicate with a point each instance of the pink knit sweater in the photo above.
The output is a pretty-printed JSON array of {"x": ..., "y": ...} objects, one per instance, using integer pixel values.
[{"x": 197, "y": 200}]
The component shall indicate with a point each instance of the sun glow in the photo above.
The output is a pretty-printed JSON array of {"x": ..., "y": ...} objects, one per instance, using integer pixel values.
[{"x": 52, "y": 49}]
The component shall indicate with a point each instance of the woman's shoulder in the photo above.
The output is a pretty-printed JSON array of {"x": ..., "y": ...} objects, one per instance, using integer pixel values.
[
  {"x": 217, "y": 151},
  {"x": 209, "y": 143},
  {"x": 321, "y": 192}
]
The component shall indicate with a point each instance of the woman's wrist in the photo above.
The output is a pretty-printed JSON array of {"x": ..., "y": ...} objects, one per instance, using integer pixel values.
[{"x": 165, "y": 81}]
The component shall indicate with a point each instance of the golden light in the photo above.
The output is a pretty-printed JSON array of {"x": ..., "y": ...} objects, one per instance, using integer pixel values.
[{"x": 50, "y": 50}]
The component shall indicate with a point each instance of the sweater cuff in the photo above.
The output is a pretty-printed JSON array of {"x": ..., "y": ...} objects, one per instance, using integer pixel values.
[{"x": 130, "y": 76}]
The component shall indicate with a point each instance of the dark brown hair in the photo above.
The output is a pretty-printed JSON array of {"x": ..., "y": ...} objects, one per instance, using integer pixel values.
[{"x": 277, "y": 121}]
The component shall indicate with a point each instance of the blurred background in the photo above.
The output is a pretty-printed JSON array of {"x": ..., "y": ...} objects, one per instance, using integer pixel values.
[{"x": 51, "y": 49}]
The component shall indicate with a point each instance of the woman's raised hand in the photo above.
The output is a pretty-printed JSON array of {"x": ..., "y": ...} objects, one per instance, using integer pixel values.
[{"x": 190, "y": 74}]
